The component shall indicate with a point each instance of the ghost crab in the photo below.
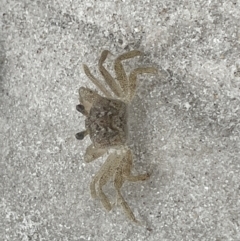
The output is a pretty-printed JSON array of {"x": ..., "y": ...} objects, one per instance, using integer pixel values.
[{"x": 106, "y": 124}]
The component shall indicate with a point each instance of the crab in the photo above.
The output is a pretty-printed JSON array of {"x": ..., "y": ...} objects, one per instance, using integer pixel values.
[{"x": 106, "y": 124}]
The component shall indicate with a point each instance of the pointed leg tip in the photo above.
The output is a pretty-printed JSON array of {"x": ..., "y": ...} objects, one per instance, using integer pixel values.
[{"x": 108, "y": 207}]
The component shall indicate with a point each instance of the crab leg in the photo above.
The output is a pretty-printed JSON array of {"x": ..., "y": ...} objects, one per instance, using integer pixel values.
[
  {"x": 122, "y": 174},
  {"x": 120, "y": 72},
  {"x": 108, "y": 78},
  {"x": 92, "y": 153},
  {"x": 96, "y": 81},
  {"x": 127, "y": 166},
  {"x": 103, "y": 175},
  {"x": 99, "y": 174},
  {"x": 118, "y": 182},
  {"x": 133, "y": 79}
]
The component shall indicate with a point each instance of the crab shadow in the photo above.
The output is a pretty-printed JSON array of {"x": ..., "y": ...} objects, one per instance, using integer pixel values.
[{"x": 145, "y": 127}]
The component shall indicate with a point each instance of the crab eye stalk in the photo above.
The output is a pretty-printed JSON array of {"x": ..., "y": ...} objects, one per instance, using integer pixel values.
[
  {"x": 81, "y": 135},
  {"x": 81, "y": 109}
]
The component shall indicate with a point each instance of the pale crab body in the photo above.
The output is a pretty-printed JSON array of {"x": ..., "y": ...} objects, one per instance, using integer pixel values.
[
  {"x": 107, "y": 123},
  {"x": 107, "y": 126}
]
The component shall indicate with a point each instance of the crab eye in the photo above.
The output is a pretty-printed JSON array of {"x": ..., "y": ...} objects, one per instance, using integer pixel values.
[
  {"x": 80, "y": 135},
  {"x": 80, "y": 108}
]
